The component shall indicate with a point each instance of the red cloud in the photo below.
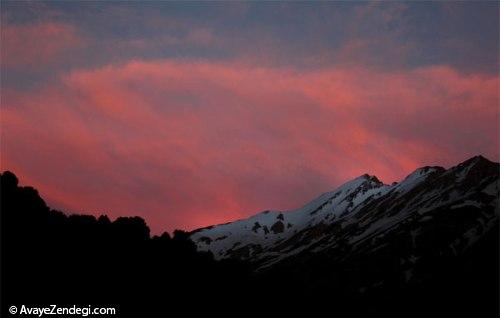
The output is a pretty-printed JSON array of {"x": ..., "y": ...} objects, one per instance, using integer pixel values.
[
  {"x": 188, "y": 144},
  {"x": 35, "y": 44}
]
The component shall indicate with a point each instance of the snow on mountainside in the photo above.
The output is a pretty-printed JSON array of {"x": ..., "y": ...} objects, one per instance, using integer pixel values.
[
  {"x": 363, "y": 213},
  {"x": 271, "y": 227}
]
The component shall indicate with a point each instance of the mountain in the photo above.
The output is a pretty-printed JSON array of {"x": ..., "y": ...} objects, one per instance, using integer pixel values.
[
  {"x": 448, "y": 209},
  {"x": 425, "y": 247}
]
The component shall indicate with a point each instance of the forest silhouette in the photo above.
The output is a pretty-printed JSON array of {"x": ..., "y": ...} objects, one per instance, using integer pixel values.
[{"x": 49, "y": 257}]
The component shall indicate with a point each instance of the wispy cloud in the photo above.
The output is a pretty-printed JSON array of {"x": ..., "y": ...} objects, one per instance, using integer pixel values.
[
  {"x": 187, "y": 144},
  {"x": 35, "y": 45}
]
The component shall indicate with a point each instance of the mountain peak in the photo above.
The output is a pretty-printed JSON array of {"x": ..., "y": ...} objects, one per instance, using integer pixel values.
[
  {"x": 475, "y": 160},
  {"x": 423, "y": 171},
  {"x": 364, "y": 178},
  {"x": 364, "y": 181},
  {"x": 372, "y": 178},
  {"x": 357, "y": 209}
]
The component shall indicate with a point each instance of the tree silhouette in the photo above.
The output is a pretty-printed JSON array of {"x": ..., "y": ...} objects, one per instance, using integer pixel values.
[{"x": 49, "y": 257}]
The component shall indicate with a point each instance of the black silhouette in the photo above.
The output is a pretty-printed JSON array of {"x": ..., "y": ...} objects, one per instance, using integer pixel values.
[{"x": 49, "y": 257}]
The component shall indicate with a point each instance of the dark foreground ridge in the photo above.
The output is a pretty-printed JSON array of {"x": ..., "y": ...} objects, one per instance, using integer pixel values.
[{"x": 49, "y": 257}]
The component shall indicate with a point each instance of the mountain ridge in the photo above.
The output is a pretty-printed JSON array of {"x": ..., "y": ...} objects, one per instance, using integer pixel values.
[
  {"x": 429, "y": 250},
  {"x": 270, "y": 237}
]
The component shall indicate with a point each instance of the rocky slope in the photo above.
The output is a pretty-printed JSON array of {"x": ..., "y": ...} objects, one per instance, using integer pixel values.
[{"x": 433, "y": 210}]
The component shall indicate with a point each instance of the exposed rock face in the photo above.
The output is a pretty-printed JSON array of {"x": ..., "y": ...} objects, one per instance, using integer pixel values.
[
  {"x": 278, "y": 227},
  {"x": 256, "y": 226},
  {"x": 433, "y": 210}
]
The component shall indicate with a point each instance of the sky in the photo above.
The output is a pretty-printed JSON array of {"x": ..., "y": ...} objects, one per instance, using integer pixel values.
[{"x": 190, "y": 114}]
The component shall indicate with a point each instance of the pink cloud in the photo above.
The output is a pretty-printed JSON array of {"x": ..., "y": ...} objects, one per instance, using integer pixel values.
[
  {"x": 188, "y": 144},
  {"x": 34, "y": 44}
]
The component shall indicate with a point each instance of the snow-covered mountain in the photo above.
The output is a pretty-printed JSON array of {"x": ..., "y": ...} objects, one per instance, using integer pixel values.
[{"x": 452, "y": 208}]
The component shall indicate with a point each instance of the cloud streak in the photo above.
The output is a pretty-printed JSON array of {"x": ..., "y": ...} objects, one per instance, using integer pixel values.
[
  {"x": 34, "y": 45},
  {"x": 187, "y": 144}
]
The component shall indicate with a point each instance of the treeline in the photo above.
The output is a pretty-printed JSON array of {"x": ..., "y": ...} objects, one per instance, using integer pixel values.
[{"x": 49, "y": 257}]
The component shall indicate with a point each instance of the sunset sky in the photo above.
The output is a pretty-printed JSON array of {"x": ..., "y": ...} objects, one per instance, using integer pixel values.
[{"x": 190, "y": 114}]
